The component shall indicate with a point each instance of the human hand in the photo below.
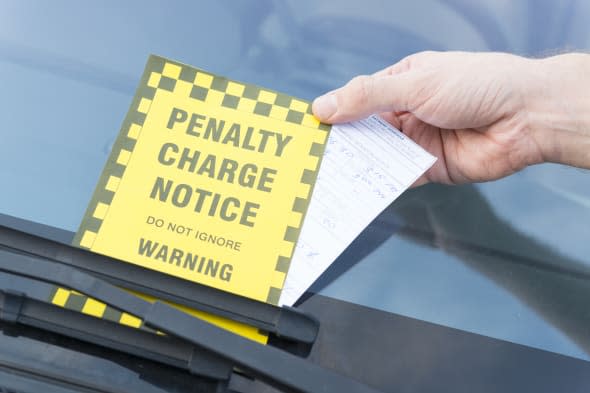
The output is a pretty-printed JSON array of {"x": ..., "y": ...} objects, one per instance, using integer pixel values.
[{"x": 484, "y": 115}]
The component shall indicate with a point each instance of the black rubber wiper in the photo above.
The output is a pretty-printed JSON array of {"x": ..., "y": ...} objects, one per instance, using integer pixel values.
[
  {"x": 288, "y": 324},
  {"x": 271, "y": 365}
]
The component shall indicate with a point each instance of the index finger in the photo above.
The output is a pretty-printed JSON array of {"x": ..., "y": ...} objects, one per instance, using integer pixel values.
[{"x": 365, "y": 95}]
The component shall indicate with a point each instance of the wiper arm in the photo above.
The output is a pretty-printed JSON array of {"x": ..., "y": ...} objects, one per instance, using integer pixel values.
[
  {"x": 271, "y": 365},
  {"x": 151, "y": 374},
  {"x": 284, "y": 322}
]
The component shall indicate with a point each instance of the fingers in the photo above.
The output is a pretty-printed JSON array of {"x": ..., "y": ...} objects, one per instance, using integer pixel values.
[
  {"x": 366, "y": 95},
  {"x": 389, "y": 89},
  {"x": 401, "y": 66}
]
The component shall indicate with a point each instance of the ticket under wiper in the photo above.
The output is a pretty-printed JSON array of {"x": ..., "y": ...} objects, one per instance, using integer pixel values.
[{"x": 208, "y": 180}]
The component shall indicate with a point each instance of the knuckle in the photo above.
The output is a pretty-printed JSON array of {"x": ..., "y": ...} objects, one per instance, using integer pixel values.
[
  {"x": 422, "y": 58},
  {"x": 361, "y": 87},
  {"x": 403, "y": 65}
]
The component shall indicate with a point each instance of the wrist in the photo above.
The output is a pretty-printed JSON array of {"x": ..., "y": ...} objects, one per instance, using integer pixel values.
[{"x": 558, "y": 108}]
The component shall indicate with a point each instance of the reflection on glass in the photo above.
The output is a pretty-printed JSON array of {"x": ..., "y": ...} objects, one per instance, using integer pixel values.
[{"x": 69, "y": 71}]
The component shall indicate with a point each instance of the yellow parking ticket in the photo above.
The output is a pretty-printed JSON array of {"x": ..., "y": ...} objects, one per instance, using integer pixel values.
[{"x": 209, "y": 180}]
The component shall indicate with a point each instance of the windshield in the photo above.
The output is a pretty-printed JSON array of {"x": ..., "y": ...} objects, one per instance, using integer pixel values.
[{"x": 506, "y": 259}]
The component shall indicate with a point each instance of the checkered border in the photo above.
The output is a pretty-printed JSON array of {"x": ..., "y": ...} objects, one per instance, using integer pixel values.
[
  {"x": 161, "y": 75},
  {"x": 78, "y": 302},
  {"x": 214, "y": 89},
  {"x": 116, "y": 164}
]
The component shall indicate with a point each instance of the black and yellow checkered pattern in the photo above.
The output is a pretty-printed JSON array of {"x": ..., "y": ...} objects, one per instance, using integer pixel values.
[
  {"x": 76, "y": 301},
  {"x": 167, "y": 76},
  {"x": 221, "y": 91}
]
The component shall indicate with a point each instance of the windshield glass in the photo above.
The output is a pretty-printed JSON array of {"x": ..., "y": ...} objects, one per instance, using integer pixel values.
[{"x": 506, "y": 259}]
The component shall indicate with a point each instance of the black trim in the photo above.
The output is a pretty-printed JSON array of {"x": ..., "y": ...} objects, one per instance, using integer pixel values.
[
  {"x": 266, "y": 363},
  {"x": 285, "y": 323},
  {"x": 162, "y": 349}
]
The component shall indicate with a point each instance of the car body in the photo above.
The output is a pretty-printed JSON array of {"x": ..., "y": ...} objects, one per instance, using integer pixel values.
[{"x": 472, "y": 288}]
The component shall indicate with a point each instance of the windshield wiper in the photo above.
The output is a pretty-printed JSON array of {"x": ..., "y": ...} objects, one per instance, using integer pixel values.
[
  {"x": 36, "y": 310},
  {"x": 295, "y": 330},
  {"x": 271, "y": 365}
]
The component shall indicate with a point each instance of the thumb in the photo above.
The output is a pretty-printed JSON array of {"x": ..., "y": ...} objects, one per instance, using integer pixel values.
[{"x": 365, "y": 95}]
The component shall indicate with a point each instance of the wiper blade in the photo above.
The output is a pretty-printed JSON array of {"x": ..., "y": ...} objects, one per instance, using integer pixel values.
[
  {"x": 271, "y": 365},
  {"x": 43, "y": 315},
  {"x": 286, "y": 322},
  {"x": 152, "y": 375}
]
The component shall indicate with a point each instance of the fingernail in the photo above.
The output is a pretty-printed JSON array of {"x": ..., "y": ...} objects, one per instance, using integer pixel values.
[{"x": 325, "y": 106}]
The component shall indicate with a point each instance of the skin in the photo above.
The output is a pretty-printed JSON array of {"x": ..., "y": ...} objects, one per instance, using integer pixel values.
[{"x": 484, "y": 115}]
